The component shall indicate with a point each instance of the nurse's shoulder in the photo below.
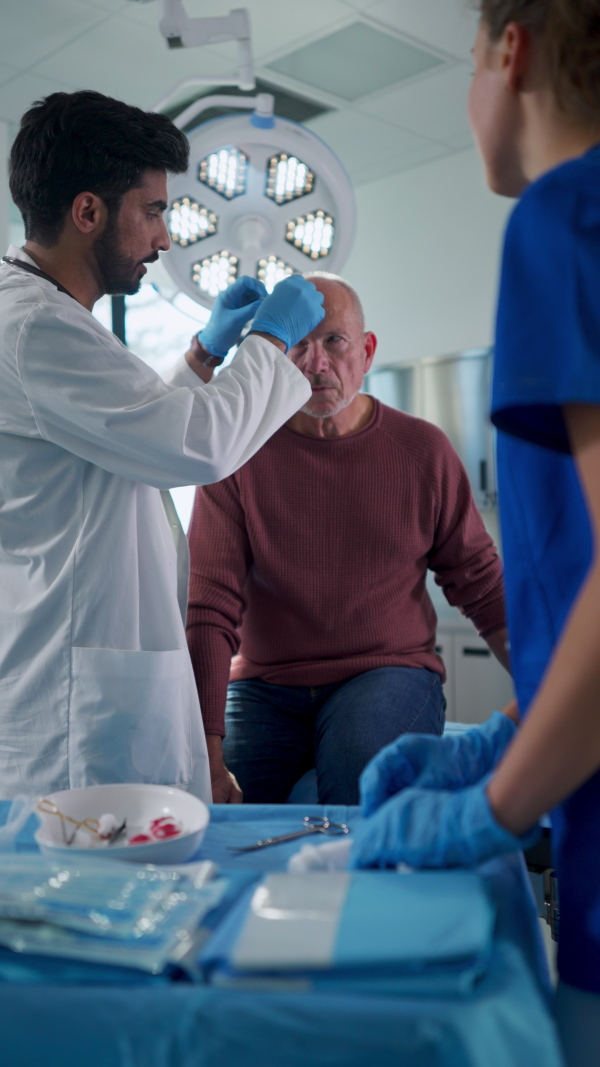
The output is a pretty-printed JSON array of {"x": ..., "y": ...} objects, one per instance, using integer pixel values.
[{"x": 559, "y": 202}]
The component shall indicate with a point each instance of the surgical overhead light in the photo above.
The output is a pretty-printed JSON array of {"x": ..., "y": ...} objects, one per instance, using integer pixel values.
[
  {"x": 245, "y": 174},
  {"x": 249, "y": 173},
  {"x": 225, "y": 172},
  {"x": 272, "y": 270},
  {"x": 313, "y": 234},
  {"x": 188, "y": 222},
  {"x": 215, "y": 273},
  {"x": 288, "y": 178}
]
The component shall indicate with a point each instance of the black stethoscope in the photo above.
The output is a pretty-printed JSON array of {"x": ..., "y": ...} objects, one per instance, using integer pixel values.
[{"x": 21, "y": 265}]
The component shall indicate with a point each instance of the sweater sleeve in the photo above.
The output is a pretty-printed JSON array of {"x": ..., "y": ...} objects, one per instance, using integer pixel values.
[
  {"x": 220, "y": 557},
  {"x": 464, "y": 558}
]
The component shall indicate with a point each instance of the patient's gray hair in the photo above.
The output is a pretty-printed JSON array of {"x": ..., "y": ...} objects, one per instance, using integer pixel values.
[{"x": 327, "y": 277}]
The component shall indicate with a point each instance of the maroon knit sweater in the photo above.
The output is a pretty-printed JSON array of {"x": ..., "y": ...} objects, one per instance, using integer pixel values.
[{"x": 310, "y": 561}]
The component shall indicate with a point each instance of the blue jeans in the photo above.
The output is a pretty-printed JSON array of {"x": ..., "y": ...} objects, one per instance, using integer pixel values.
[{"x": 275, "y": 733}]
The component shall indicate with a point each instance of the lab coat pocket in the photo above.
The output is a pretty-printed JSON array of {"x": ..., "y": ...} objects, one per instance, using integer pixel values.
[{"x": 129, "y": 717}]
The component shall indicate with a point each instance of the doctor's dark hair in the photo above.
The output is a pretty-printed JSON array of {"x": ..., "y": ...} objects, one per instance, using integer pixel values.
[
  {"x": 570, "y": 34},
  {"x": 70, "y": 143}
]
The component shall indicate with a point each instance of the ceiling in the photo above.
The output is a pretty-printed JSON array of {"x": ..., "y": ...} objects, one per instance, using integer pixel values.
[{"x": 114, "y": 46}]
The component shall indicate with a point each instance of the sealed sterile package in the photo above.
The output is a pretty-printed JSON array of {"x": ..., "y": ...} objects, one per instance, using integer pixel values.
[
  {"x": 110, "y": 913},
  {"x": 425, "y": 932}
]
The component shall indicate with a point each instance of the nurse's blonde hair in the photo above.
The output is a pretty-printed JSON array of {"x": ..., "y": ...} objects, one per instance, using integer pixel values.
[{"x": 570, "y": 33}]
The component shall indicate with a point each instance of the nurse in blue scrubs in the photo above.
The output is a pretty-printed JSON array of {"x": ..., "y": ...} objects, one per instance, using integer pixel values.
[{"x": 535, "y": 111}]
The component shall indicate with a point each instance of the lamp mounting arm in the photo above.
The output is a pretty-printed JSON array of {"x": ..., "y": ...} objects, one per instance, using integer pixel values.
[
  {"x": 181, "y": 31},
  {"x": 262, "y": 105}
]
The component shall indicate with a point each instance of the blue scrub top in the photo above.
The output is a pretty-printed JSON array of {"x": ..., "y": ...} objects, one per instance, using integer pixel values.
[{"x": 548, "y": 355}]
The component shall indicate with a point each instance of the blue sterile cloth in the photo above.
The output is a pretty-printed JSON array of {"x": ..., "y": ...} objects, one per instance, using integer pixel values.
[
  {"x": 505, "y": 1022},
  {"x": 30, "y": 966},
  {"x": 95, "y": 918},
  {"x": 417, "y": 934}
]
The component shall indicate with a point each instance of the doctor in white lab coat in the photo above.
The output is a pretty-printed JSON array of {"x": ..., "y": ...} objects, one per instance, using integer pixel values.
[{"x": 95, "y": 678}]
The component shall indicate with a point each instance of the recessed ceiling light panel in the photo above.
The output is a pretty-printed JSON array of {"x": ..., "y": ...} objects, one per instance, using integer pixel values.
[{"x": 356, "y": 61}]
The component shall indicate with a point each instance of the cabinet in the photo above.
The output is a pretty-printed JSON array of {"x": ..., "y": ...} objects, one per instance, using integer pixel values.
[
  {"x": 455, "y": 395},
  {"x": 394, "y": 386},
  {"x": 476, "y": 683},
  {"x": 453, "y": 392}
]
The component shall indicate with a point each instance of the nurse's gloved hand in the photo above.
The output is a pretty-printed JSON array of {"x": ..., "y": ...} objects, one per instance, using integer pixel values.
[
  {"x": 427, "y": 828},
  {"x": 232, "y": 309},
  {"x": 451, "y": 762},
  {"x": 292, "y": 310}
]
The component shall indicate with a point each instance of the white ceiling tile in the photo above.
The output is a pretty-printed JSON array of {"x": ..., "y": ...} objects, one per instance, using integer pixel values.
[
  {"x": 18, "y": 95},
  {"x": 461, "y": 140},
  {"x": 123, "y": 58},
  {"x": 449, "y": 25},
  {"x": 109, "y": 5},
  {"x": 435, "y": 106},
  {"x": 375, "y": 169},
  {"x": 361, "y": 5},
  {"x": 359, "y": 139},
  {"x": 32, "y": 29},
  {"x": 7, "y": 72},
  {"x": 150, "y": 14}
]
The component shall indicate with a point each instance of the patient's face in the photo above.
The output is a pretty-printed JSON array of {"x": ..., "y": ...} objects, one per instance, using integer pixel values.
[{"x": 336, "y": 355}]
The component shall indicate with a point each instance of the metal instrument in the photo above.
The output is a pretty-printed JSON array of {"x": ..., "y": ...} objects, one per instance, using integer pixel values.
[{"x": 312, "y": 824}]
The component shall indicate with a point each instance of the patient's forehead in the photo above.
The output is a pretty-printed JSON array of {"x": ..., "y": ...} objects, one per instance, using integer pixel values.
[{"x": 338, "y": 303}]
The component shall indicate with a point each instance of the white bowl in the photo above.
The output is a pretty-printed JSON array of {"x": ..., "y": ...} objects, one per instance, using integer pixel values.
[{"x": 138, "y": 804}]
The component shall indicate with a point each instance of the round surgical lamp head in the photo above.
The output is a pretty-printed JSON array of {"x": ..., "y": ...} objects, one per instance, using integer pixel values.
[{"x": 264, "y": 197}]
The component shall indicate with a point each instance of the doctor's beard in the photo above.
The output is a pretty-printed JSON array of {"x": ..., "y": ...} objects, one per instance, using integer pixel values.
[{"x": 119, "y": 272}]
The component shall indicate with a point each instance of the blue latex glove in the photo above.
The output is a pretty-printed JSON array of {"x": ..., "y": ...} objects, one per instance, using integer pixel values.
[
  {"x": 232, "y": 309},
  {"x": 451, "y": 762},
  {"x": 292, "y": 310},
  {"x": 427, "y": 828}
]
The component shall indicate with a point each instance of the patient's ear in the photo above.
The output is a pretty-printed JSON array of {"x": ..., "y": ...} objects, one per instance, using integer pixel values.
[{"x": 370, "y": 349}]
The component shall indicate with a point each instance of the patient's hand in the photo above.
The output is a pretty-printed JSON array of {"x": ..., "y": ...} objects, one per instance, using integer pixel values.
[
  {"x": 224, "y": 785},
  {"x": 225, "y": 789}
]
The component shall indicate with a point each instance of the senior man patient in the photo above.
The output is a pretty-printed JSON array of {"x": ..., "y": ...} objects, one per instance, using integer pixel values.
[{"x": 308, "y": 566}]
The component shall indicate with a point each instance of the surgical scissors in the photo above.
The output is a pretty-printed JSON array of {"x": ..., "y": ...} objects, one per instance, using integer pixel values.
[{"x": 313, "y": 824}]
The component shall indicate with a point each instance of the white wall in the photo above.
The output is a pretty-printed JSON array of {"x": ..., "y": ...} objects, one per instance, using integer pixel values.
[
  {"x": 425, "y": 260},
  {"x": 4, "y": 191}
]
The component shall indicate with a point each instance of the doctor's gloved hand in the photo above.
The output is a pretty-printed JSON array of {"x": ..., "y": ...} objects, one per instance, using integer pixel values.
[
  {"x": 292, "y": 310},
  {"x": 232, "y": 309},
  {"x": 429, "y": 828},
  {"x": 451, "y": 762}
]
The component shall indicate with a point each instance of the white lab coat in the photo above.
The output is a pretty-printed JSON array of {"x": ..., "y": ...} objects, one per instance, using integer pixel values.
[{"x": 96, "y": 683}]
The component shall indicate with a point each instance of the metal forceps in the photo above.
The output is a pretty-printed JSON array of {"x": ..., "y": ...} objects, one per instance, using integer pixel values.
[{"x": 313, "y": 824}]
